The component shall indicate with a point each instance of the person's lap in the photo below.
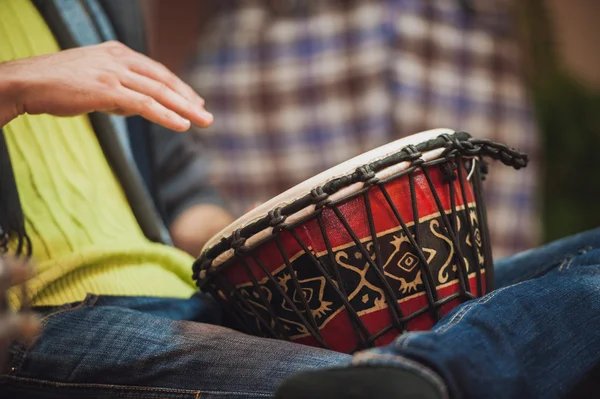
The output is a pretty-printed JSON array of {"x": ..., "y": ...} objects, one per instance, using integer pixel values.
[
  {"x": 538, "y": 261},
  {"x": 149, "y": 347},
  {"x": 536, "y": 335}
]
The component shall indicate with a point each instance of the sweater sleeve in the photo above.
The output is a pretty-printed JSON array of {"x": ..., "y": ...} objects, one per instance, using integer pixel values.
[{"x": 181, "y": 170}]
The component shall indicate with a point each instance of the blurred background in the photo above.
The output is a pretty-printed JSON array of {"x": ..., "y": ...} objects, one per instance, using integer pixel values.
[
  {"x": 561, "y": 42},
  {"x": 298, "y": 86}
]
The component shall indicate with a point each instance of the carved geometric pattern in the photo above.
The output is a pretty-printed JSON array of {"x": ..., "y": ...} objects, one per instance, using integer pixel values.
[{"x": 402, "y": 269}]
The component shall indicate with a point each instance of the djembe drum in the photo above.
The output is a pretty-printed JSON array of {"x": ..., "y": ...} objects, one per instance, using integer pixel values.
[{"x": 386, "y": 242}]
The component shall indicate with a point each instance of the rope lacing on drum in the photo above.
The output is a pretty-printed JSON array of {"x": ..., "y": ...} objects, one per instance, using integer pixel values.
[
  {"x": 502, "y": 153},
  {"x": 319, "y": 197},
  {"x": 484, "y": 147},
  {"x": 237, "y": 241},
  {"x": 201, "y": 271},
  {"x": 456, "y": 144},
  {"x": 453, "y": 148},
  {"x": 367, "y": 175},
  {"x": 413, "y": 152},
  {"x": 414, "y": 156},
  {"x": 276, "y": 219},
  {"x": 449, "y": 171},
  {"x": 483, "y": 168}
]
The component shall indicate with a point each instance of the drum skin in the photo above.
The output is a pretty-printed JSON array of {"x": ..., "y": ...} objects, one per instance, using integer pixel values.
[{"x": 356, "y": 269}]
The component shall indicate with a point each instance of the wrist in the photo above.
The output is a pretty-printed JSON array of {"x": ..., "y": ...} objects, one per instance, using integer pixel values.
[{"x": 11, "y": 88}]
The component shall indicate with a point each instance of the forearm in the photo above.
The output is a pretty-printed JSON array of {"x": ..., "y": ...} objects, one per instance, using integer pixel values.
[
  {"x": 198, "y": 224},
  {"x": 10, "y": 87},
  {"x": 193, "y": 209}
]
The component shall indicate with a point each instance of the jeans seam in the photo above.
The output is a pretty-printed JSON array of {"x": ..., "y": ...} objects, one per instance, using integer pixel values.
[
  {"x": 537, "y": 272},
  {"x": 560, "y": 264},
  {"x": 89, "y": 301},
  {"x": 406, "y": 341},
  {"x": 126, "y": 388},
  {"x": 568, "y": 264},
  {"x": 197, "y": 394},
  {"x": 402, "y": 342},
  {"x": 457, "y": 318}
]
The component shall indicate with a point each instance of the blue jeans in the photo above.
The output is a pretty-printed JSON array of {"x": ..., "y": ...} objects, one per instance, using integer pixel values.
[
  {"x": 536, "y": 336},
  {"x": 135, "y": 347}
]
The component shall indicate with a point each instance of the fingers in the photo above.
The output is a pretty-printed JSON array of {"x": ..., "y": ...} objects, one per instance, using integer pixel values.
[
  {"x": 109, "y": 77},
  {"x": 157, "y": 71},
  {"x": 161, "y": 91},
  {"x": 168, "y": 98},
  {"x": 131, "y": 101},
  {"x": 146, "y": 66}
]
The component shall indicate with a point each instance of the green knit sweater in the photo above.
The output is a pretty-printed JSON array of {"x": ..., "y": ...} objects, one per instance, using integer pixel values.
[{"x": 84, "y": 235}]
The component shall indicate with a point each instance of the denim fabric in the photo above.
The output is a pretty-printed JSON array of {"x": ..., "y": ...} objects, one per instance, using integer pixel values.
[
  {"x": 132, "y": 347},
  {"x": 536, "y": 336}
]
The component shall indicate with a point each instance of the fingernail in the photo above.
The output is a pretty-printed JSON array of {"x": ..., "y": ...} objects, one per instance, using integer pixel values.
[
  {"x": 184, "y": 123},
  {"x": 206, "y": 116},
  {"x": 209, "y": 117}
]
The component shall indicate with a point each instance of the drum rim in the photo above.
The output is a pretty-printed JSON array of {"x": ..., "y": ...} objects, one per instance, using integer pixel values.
[
  {"x": 278, "y": 215},
  {"x": 341, "y": 169}
]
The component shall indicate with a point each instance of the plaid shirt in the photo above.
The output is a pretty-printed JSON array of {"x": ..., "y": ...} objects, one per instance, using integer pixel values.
[{"x": 300, "y": 86}]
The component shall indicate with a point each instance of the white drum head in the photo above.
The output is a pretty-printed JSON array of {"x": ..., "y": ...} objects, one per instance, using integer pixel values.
[{"x": 340, "y": 170}]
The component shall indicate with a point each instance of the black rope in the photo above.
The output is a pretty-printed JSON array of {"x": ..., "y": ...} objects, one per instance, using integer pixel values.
[
  {"x": 298, "y": 288},
  {"x": 339, "y": 289},
  {"x": 309, "y": 326},
  {"x": 448, "y": 227},
  {"x": 264, "y": 301},
  {"x": 394, "y": 308},
  {"x": 431, "y": 294},
  {"x": 482, "y": 218},
  {"x": 460, "y": 142},
  {"x": 258, "y": 316},
  {"x": 471, "y": 232}
]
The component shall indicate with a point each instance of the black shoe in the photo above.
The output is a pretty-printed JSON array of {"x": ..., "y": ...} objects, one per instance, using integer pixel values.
[{"x": 360, "y": 382}]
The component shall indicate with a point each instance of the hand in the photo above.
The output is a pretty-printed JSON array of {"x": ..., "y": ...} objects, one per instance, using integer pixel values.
[
  {"x": 109, "y": 77},
  {"x": 198, "y": 224},
  {"x": 14, "y": 326}
]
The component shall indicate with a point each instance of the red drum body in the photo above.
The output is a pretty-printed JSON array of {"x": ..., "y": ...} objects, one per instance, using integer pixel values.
[{"x": 390, "y": 247}]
